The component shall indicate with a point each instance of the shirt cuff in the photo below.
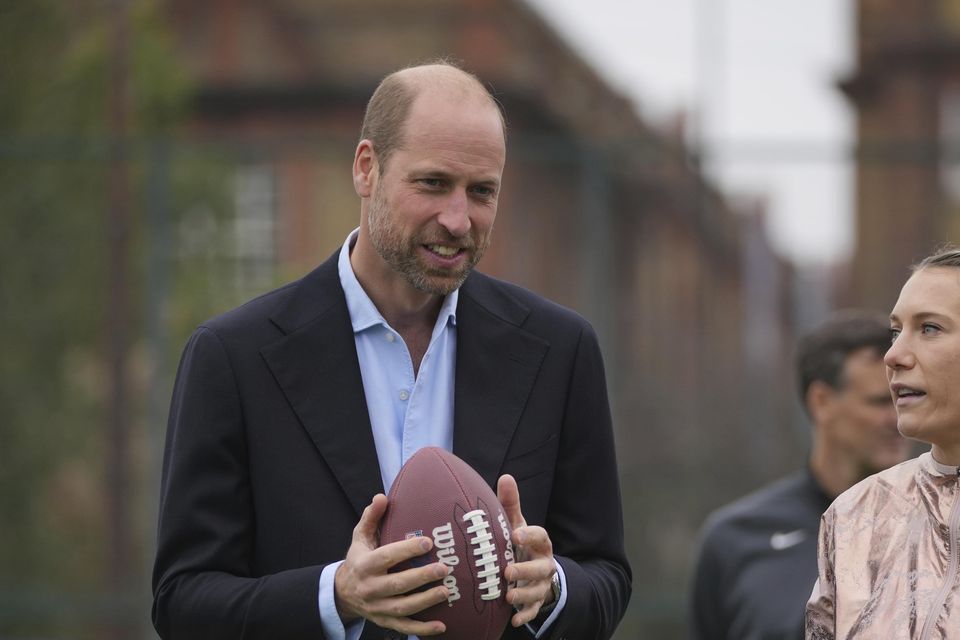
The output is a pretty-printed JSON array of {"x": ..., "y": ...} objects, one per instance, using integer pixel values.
[
  {"x": 333, "y": 627},
  {"x": 537, "y": 633}
]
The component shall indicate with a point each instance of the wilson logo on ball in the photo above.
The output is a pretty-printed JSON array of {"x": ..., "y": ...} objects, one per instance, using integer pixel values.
[{"x": 447, "y": 554}]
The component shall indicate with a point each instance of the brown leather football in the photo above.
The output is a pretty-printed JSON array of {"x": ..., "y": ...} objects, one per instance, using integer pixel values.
[{"x": 437, "y": 494}]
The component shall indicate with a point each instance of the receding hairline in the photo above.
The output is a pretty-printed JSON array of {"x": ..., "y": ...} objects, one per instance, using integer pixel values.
[
  {"x": 445, "y": 77},
  {"x": 439, "y": 75}
]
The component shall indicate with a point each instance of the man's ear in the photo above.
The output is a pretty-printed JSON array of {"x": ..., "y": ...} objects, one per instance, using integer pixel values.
[
  {"x": 820, "y": 399},
  {"x": 365, "y": 168}
]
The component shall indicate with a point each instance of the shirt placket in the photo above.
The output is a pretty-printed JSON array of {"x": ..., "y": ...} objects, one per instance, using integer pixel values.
[{"x": 413, "y": 422}]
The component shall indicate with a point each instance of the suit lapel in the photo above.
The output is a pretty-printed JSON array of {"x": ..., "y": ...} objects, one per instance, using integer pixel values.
[
  {"x": 497, "y": 365},
  {"x": 317, "y": 368}
]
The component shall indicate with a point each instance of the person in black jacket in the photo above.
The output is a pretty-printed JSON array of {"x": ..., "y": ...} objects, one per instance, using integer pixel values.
[
  {"x": 292, "y": 414},
  {"x": 758, "y": 556}
]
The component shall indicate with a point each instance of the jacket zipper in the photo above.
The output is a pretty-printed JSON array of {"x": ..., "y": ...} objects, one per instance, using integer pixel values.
[{"x": 950, "y": 578}]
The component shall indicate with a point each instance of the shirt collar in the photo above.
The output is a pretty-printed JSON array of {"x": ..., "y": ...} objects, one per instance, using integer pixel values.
[
  {"x": 938, "y": 468},
  {"x": 363, "y": 313}
]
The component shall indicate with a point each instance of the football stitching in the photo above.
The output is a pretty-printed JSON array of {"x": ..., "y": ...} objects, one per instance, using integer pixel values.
[
  {"x": 489, "y": 569},
  {"x": 489, "y": 614},
  {"x": 466, "y": 498}
]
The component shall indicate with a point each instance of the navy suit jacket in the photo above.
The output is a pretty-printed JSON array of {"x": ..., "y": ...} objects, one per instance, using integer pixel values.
[{"x": 270, "y": 457}]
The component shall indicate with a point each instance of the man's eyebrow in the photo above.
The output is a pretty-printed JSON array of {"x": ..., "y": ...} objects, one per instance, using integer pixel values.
[
  {"x": 431, "y": 172},
  {"x": 437, "y": 172}
]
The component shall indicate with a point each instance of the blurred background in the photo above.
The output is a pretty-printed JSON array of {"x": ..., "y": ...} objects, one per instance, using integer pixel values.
[{"x": 701, "y": 179}]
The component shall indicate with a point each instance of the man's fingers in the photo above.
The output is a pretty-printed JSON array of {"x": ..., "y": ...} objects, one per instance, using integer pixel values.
[
  {"x": 509, "y": 495},
  {"x": 531, "y": 570},
  {"x": 406, "y": 605},
  {"x": 530, "y": 576},
  {"x": 366, "y": 529},
  {"x": 403, "y": 582},
  {"x": 530, "y": 593},
  {"x": 382, "y": 559},
  {"x": 364, "y": 578},
  {"x": 393, "y": 613},
  {"x": 535, "y": 541},
  {"x": 360, "y": 593},
  {"x": 409, "y": 626},
  {"x": 525, "y": 615}
]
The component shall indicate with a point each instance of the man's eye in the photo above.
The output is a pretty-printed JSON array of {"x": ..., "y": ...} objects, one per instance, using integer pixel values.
[
  {"x": 484, "y": 192},
  {"x": 431, "y": 183}
]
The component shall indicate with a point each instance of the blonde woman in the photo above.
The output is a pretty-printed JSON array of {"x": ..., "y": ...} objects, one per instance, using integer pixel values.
[{"x": 889, "y": 550}]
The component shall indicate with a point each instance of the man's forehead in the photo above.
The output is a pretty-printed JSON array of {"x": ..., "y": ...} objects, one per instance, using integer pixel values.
[
  {"x": 454, "y": 137},
  {"x": 456, "y": 104},
  {"x": 452, "y": 162}
]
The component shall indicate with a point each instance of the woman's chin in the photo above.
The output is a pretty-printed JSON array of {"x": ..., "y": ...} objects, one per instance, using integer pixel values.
[{"x": 909, "y": 429}]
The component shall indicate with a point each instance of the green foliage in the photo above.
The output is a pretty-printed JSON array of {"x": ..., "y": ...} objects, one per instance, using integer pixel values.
[{"x": 55, "y": 62}]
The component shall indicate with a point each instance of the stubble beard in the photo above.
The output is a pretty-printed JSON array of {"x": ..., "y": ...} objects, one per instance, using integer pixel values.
[{"x": 401, "y": 253}]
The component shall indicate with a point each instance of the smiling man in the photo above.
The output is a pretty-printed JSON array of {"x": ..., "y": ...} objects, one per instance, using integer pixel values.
[
  {"x": 758, "y": 558},
  {"x": 292, "y": 414}
]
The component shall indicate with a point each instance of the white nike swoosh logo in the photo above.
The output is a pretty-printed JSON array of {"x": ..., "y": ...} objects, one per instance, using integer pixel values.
[{"x": 780, "y": 540}]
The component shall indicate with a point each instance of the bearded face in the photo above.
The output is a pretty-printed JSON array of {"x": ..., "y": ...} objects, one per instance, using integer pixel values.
[
  {"x": 431, "y": 208},
  {"x": 419, "y": 254}
]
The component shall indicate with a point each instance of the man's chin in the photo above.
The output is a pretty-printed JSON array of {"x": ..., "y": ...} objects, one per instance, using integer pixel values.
[{"x": 438, "y": 284}]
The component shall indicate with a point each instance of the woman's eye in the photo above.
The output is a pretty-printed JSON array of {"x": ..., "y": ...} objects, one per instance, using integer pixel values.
[
  {"x": 929, "y": 329},
  {"x": 893, "y": 334}
]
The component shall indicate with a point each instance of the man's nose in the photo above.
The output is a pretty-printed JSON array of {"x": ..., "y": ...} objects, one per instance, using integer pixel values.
[{"x": 455, "y": 215}]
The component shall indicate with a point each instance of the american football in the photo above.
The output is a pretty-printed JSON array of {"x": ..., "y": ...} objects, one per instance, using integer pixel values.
[{"x": 437, "y": 494}]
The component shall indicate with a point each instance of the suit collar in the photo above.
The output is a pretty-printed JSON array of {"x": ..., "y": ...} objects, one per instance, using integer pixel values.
[
  {"x": 497, "y": 365},
  {"x": 316, "y": 366},
  {"x": 311, "y": 297}
]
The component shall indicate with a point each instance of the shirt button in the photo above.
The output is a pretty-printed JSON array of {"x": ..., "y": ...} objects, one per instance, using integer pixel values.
[
  {"x": 390, "y": 337},
  {"x": 404, "y": 394}
]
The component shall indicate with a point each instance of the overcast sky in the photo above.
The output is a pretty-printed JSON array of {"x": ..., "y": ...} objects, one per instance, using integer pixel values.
[{"x": 758, "y": 80}]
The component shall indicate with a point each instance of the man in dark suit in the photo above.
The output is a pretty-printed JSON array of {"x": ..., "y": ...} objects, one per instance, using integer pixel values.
[{"x": 292, "y": 414}]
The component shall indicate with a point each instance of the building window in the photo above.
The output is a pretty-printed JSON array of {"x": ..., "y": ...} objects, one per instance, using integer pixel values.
[{"x": 254, "y": 226}]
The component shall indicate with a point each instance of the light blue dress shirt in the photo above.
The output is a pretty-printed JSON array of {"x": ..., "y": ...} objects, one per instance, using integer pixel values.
[{"x": 407, "y": 411}]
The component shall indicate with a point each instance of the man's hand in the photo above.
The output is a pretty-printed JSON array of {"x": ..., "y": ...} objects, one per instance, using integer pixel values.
[
  {"x": 534, "y": 565},
  {"x": 364, "y": 588}
]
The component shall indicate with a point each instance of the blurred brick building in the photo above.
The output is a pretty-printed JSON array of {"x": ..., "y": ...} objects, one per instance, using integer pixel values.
[
  {"x": 906, "y": 91},
  {"x": 599, "y": 212}
]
